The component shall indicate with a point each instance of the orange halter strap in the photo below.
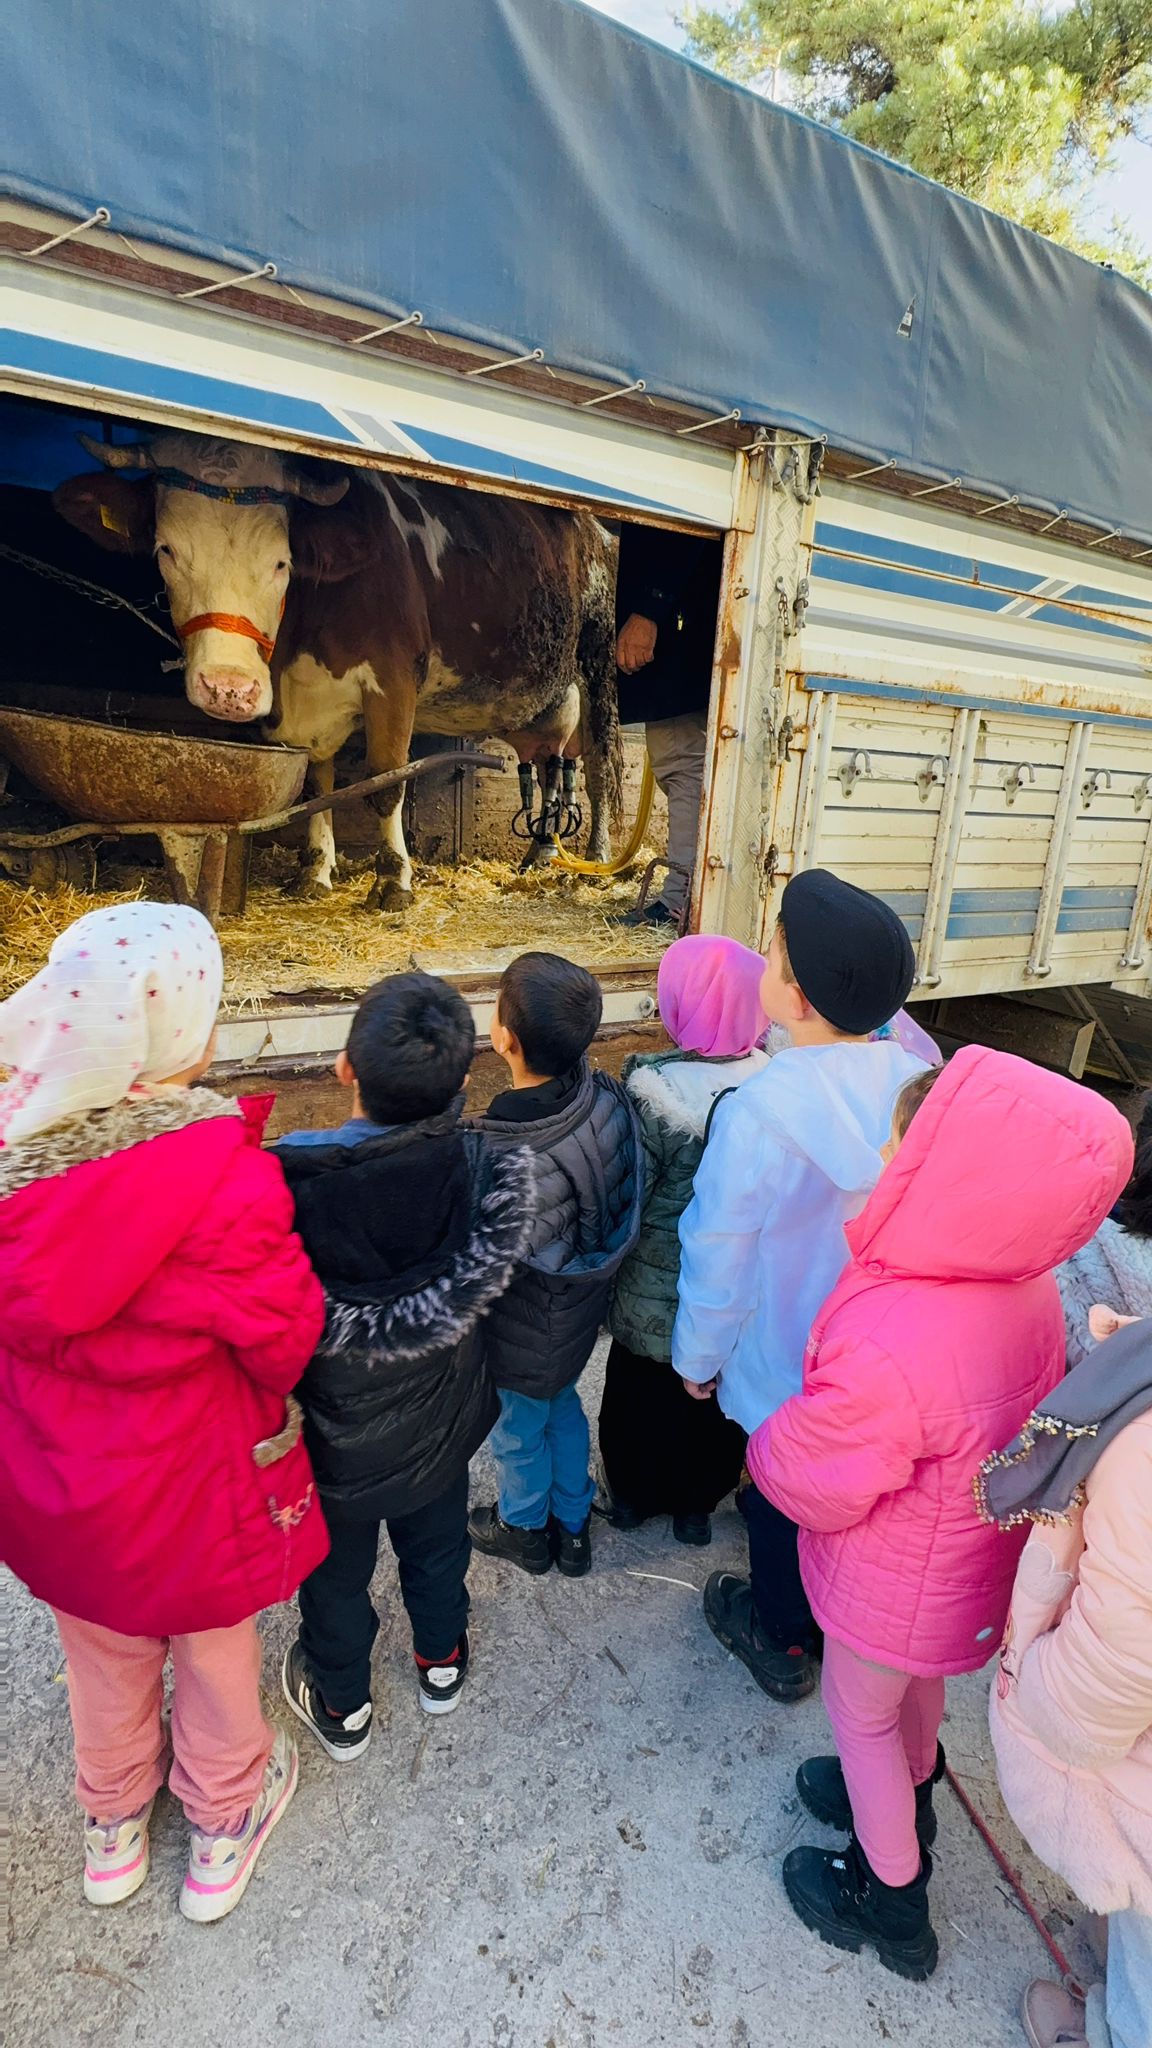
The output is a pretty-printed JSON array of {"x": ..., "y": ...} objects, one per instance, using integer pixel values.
[{"x": 230, "y": 622}]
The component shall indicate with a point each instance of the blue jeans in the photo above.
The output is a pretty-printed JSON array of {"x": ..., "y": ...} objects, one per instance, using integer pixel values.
[
  {"x": 541, "y": 1452},
  {"x": 1127, "y": 1994}
]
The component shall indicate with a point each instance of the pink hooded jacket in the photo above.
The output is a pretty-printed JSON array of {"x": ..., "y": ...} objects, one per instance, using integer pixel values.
[{"x": 943, "y": 1333}]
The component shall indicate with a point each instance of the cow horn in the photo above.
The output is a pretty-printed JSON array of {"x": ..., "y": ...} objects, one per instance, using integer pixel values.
[
  {"x": 315, "y": 493},
  {"x": 136, "y": 456}
]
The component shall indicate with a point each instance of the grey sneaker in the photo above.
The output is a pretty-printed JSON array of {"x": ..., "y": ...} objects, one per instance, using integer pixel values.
[
  {"x": 219, "y": 1866},
  {"x": 116, "y": 1858}
]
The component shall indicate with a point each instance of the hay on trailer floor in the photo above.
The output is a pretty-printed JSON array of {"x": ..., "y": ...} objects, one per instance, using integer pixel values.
[{"x": 469, "y": 919}]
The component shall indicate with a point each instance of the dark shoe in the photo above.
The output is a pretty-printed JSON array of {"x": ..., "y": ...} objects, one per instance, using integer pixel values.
[
  {"x": 693, "y": 1529},
  {"x": 621, "y": 1516},
  {"x": 343, "y": 1737},
  {"x": 572, "y": 1550},
  {"x": 653, "y": 913},
  {"x": 442, "y": 1684},
  {"x": 529, "y": 1548},
  {"x": 841, "y": 1899},
  {"x": 820, "y": 1783},
  {"x": 783, "y": 1674}
]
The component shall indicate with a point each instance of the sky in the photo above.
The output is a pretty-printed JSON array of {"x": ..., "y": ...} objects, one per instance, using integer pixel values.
[{"x": 1127, "y": 191}]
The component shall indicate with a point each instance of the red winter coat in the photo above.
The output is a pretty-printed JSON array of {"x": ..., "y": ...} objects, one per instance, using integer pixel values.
[
  {"x": 943, "y": 1333},
  {"x": 155, "y": 1310}
]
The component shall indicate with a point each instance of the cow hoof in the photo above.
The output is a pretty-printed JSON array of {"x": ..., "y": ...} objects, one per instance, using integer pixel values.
[
  {"x": 388, "y": 896},
  {"x": 307, "y": 887}
]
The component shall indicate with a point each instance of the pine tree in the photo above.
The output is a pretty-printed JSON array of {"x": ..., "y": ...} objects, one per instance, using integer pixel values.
[{"x": 1008, "y": 101}]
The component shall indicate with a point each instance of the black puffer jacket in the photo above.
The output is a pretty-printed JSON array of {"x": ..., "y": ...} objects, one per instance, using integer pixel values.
[
  {"x": 589, "y": 1185},
  {"x": 414, "y": 1234}
]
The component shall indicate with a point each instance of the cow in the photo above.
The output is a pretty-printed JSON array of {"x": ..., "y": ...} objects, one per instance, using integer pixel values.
[{"x": 323, "y": 604}]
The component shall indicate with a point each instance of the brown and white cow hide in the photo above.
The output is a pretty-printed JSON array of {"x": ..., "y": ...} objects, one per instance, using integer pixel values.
[{"x": 326, "y": 605}]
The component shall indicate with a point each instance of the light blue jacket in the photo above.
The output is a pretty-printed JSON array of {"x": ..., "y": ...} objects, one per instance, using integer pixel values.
[{"x": 791, "y": 1158}]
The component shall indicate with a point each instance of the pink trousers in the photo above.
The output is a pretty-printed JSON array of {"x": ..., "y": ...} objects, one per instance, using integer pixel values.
[
  {"x": 220, "y": 1739},
  {"x": 886, "y": 1724}
]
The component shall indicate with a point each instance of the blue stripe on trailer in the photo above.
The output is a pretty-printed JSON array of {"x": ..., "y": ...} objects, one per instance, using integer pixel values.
[
  {"x": 894, "y": 565},
  {"x": 456, "y": 454},
  {"x": 906, "y": 693},
  {"x": 126, "y": 376},
  {"x": 1011, "y": 913}
]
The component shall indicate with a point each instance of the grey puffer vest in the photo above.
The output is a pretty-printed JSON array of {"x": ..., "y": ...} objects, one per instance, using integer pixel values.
[
  {"x": 589, "y": 1184},
  {"x": 673, "y": 1095}
]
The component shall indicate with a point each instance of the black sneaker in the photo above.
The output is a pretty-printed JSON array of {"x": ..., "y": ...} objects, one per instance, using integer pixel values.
[
  {"x": 572, "y": 1550},
  {"x": 783, "y": 1674},
  {"x": 839, "y": 1896},
  {"x": 342, "y": 1738},
  {"x": 695, "y": 1530},
  {"x": 656, "y": 913},
  {"x": 531, "y": 1549},
  {"x": 442, "y": 1684},
  {"x": 820, "y": 1783},
  {"x": 621, "y": 1516}
]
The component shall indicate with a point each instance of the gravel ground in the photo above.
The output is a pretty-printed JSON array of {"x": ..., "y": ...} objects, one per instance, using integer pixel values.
[{"x": 588, "y": 1851}]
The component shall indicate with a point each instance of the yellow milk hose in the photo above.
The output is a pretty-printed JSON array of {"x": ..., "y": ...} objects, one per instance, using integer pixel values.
[{"x": 635, "y": 837}]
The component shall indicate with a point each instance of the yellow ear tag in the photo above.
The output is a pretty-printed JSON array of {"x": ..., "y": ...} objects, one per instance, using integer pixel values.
[{"x": 112, "y": 521}]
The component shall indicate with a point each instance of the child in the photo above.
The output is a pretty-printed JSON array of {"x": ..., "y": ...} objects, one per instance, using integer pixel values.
[
  {"x": 1071, "y": 1710},
  {"x": 155, "y": 1312},
  {"x": 584, "y": 1136},
  {"x": 1116, "y": 1264},
  {"x": 663, "y": 1452},
  {"x": 790, "y": 1158},
  {"x": 941, "y": 1335},
  {"x": 413, "y": 1224}
]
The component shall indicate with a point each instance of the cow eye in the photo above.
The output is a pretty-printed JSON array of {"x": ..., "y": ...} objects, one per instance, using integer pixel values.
[
  {"x": 281, "y": 565},
  {"x": 164, "y": 549}
]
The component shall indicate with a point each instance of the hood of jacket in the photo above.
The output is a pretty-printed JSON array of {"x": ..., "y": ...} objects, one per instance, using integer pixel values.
[
  {"x": 413, "y": 1234},
  {"x": 819, "y": 1102},
  {"x": 90, "y": 1208},
  {"x": 589, "y": 1186},
  {"x": 1005, "y": 1170},
  {"x": 681, "y": 1089}
]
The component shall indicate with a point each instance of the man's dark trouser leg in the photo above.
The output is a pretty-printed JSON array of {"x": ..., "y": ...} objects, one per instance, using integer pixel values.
[
  {"x": 338, "y": 1622},
  {"x": 433, "y": 1550},
  {"x": 778, "y": 1595}
]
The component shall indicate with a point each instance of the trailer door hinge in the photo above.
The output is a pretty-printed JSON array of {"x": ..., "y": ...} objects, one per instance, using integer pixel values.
[
  {"x": 800, "y": 604},
  {"x": 784, "y": 738}
]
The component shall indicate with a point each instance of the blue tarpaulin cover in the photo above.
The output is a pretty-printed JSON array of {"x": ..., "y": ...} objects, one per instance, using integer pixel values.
[{"x": 528, "y": 174}]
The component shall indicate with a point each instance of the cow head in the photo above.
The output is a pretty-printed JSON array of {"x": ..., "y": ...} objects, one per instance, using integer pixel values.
[{"x": 215, "y": 513}]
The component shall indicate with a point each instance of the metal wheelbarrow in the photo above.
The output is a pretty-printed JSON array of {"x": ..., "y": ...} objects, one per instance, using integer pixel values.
[{"x": 204, "y": 800}]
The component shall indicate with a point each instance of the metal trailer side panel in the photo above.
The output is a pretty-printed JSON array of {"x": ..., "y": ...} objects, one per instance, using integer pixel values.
[{"x": 974, "y": 710}]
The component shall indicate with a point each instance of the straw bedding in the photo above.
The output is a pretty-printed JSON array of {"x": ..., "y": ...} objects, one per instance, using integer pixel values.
[{"x": 466, "y": 919}]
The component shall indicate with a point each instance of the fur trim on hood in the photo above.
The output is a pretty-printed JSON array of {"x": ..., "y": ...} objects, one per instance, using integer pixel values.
[
  {"x": 682, "y": 1092},
  {"x": 437, "y": 1316},
  {"x": 100, "y": 1133}
]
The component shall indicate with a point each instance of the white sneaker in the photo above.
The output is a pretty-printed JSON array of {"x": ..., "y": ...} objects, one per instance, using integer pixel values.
[
  {"x": 116, "y": 1858},
  {"x": 219, "y": 1866}
]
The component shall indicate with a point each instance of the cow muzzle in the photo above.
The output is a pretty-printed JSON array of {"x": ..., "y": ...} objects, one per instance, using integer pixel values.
[{"x": 233, "y": 694}]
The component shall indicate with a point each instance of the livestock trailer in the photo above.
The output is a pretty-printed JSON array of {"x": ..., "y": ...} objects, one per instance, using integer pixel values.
[{"x": 923, "y": 435}]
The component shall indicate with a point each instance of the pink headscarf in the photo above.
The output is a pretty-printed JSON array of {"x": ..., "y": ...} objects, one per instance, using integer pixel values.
[{"x": 709, "y": 994}]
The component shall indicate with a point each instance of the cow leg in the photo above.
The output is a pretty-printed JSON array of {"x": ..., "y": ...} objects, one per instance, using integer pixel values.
[
  {"x": 388, "y": 731},
  {"x": 318, "y": 856}
]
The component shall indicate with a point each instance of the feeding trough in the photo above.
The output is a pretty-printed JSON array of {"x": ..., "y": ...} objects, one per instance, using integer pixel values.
[{"x": 204, "y": 800}]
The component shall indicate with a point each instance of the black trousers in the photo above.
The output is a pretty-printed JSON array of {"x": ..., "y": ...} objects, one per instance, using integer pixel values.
[
  {"x": 778, "y": 1594},
  {"x": 664, "y": 1453},
  {"x": 338, "y": 1622}
]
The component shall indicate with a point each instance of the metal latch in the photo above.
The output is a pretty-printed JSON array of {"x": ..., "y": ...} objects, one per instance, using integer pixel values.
[
  {"x": 784, "y": 738},
  {"x": 800, "y": 604},
  {"x": 852, "y": 770}
]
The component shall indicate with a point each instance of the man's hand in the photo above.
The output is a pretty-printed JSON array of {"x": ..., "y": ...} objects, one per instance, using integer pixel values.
[
  {"x": 700, "y": 1390},
  {"x": 636, "y": 644},
  {"x": 1104, "y": 1321}
]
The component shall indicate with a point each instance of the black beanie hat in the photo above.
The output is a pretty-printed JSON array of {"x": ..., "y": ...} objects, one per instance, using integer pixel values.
[{"x": 851, "y": 955}]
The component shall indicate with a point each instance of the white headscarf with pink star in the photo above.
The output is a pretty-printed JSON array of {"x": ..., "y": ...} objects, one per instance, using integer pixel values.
[{"x": 129, "y": 996}]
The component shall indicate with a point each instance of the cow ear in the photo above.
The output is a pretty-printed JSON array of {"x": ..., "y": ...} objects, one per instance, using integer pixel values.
[
  {"x": 332, "y": 542},
  {"x": 117, "y": 512}
]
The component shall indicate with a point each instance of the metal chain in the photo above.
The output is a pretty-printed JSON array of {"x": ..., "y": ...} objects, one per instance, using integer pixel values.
[{"x": 95, "y": 592}]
